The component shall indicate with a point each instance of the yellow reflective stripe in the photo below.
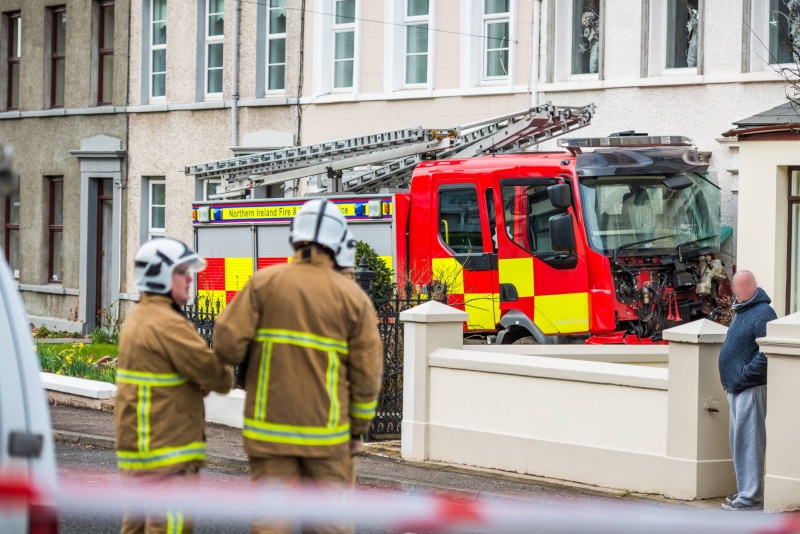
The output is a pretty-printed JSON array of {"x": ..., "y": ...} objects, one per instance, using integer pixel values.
[
  {"x": 363, "y": 410},
  {"x": 332, "y": 382},
  {"x": 295, "y": 435},
  {"x": 141, "y": 378},
  {"x": 143, "y": 402},
  {"x": 161, "y": 457},
  {"x": 175, "y": 522},
  {"x": 301, "y": 339},
  {"x": 263, "y": 381}
]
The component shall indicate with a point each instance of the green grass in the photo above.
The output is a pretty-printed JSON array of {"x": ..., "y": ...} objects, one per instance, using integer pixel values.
[
  {"x": 98, "y": 351},
  {"x": 79, "y": 360}
]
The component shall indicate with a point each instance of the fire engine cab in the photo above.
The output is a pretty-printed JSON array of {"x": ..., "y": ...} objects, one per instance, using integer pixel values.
[{"x": 609, "y": 241}]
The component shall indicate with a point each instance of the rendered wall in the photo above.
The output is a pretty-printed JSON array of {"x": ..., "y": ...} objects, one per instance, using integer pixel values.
[
  {"x": 764, "y": 189},
  {"x": 631, "y": 427}
]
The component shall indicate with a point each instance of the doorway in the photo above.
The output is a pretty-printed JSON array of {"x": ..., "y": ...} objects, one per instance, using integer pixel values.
[{"x": 104, "y": 248}]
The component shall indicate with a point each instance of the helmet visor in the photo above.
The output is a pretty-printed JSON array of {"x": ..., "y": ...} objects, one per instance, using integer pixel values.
[{"x": 194, "y": 264}]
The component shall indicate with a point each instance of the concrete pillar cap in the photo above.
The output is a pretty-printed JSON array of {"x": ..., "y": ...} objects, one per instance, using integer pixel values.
[
  {"x": 785, "y": 327},
  {"x": 433, "y": 312},
  {"x": 700, "y": 331}
]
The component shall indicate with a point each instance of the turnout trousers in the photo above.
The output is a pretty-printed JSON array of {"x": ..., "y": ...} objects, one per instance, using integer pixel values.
[
  {"x": 173, "y": 522},
  {"x": 332, "y": 472}
]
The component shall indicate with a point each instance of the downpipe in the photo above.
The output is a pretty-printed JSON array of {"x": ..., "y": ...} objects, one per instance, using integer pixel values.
[
  {"x": 235, "y": 77},
  {"x": 536, "y": 48}
]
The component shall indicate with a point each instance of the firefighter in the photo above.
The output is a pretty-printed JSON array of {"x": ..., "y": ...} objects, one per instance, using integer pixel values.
[
  {"x": 315, "y": 360},
  {"x": 164, "y": 370},
  {"x": 346, "y": 258}
]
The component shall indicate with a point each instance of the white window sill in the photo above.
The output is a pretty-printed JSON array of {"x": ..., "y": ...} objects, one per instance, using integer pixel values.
[
  {"x": 50, "y": 289},
  {"x": 657, "y": 81},
  {"x": 213, "y": 97}
]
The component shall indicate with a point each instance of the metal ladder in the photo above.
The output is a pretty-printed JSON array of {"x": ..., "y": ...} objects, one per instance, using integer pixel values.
[{"x": 397, "y": 152}]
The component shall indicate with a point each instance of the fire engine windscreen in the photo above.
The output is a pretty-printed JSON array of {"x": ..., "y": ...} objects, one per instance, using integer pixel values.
[{"x": 642, "y": 213}]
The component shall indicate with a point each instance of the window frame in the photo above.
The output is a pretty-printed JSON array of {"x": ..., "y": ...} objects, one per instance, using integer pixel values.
[
  {"x": 156, "y": 47},
  {"x": 792, "y": 200},
  {"x": 408, "y": 22},
  {"x": 54, "y": 228},
  {"x": 8, "y": 228},
  {"x": 658, "y": 41},
  {"x": 103, "y": 52},
  {"x": 208, "y": 182},
  {"x": 210, "y": 40},
  {"x": 13, "y": 19},
  {"x": 768, "y": 39},
  {"x": 349, "y": 27},
  {"x": 486, "y": 20},
  {"x": 274, "y": 37},
  {"x": 151, "y": 231},
  {"x": 472, "y": 187},
  {"x": 55, "y": 56}
]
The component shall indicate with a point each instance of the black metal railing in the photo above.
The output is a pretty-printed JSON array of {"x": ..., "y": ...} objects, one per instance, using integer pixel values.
[
  {"x": 386, "y": 424},
  {"x": 389, "y": 415},
  {"x": 203, "y": 313}
]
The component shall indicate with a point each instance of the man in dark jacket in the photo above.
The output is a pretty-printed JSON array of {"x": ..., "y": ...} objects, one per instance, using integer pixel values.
[{"x": 743, "y": 373}]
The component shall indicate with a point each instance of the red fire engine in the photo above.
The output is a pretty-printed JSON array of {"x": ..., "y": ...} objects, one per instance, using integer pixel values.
[{"x": 610, "y": 241}]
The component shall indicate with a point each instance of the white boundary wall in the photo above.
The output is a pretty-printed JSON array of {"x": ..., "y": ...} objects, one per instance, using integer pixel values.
[{"x": 633, "y": 427}]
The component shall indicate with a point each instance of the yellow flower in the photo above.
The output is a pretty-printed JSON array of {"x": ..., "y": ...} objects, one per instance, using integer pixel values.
[
  {"x": 58, "y": 372},
  {"x": 81, "y": 346},
  {"x": 74, "y": 346}
]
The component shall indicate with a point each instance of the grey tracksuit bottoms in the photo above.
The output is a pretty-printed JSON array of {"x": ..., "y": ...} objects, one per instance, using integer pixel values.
[{"x": 748, "y": 438}]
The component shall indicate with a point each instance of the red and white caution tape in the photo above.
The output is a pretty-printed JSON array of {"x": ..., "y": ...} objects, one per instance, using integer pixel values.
[{"x": 382, "y": 509}]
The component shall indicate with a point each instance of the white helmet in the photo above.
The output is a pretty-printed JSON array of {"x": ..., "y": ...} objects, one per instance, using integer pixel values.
[
  {"x": 155, "y": 261},
  {"x": 319, "y": 222},
  {"x": 347, "y": 254}
]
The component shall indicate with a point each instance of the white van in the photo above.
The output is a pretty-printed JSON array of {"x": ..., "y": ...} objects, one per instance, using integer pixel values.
[{"x": 26, "y": 443}]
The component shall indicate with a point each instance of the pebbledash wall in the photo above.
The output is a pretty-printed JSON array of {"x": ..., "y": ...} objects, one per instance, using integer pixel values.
[{"x": 151, "y": 138}]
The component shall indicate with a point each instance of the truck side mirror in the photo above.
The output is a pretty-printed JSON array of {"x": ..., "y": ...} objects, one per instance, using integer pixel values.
[
  {"x": 560, "y": 195},
  {"x": 562, "y": 236},
  {"x": 677, "y": 182}
]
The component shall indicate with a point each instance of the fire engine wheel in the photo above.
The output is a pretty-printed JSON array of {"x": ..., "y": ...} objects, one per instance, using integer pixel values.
[{"x": 527, "y": 340}]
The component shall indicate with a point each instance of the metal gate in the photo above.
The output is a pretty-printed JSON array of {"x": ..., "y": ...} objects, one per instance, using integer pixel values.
[{"x": 389, "y": 415}]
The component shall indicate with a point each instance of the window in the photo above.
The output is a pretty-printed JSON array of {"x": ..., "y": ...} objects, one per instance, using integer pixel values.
[
  {"x": 105, "y": 52},
  {"x": 58, "y": 56},
  {"x": 215, "y": 26},
  {"x": 158, "y": 208},
  {"x": 344, "y": 43},
  {"x": 416, "y": 31},
  {"x": 55, "y": 269},
  {"x": 497, "y": 32},
  {"x": 11, "y": 220},
  {"x": 585, "y": 36},
  {"x": 492, "y": 217},
  {"x": 460, "y": 221},
  {"x": 784, "y": 21},
  {"x": 14, "y": 54},
  {"x": 527, "y": 210},
  {"x": 210, "y": 188},
  {"x": 683, "y": 18},
  {"x": 793, "y": 270},
  {"x": 276, "y": 45},
  {"x": 158, "y": 49}
]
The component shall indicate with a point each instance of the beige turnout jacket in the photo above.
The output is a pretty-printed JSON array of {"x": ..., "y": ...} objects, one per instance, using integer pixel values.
[
  {"x": 163, "y": 366},
  {"x": 315, "y": 358}
]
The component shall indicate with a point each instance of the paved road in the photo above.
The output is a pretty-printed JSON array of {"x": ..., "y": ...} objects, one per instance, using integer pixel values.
[{"x": 88, "y": 464}]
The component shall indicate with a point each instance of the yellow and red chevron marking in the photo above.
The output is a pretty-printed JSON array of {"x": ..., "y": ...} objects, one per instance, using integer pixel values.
[{"x": 223, "y": 278}]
